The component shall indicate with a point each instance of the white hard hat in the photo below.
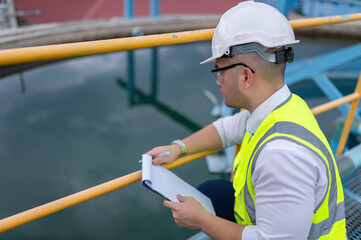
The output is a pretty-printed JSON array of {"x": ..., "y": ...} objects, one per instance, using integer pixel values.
[{"x": 251, "y": 22}]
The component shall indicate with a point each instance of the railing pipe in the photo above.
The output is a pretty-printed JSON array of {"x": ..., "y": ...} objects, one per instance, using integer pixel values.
[
  {"x": 76, "y": 198},
  {"x": 41, "y": 53},
  {"x": 311, "y": 22},
  {"x": 335, "y": 103}
]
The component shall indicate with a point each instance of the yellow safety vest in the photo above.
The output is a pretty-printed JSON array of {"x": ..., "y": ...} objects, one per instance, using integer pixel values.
[{"x": 293, "y": 121}]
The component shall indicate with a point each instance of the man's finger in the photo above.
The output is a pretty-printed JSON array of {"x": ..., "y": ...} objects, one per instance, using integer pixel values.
[
  {"x": 154, "y": 152},
  {"x": 157, "y": 161},
  {"x": 182, "y": 198},
  {"x": 170, "y": 204}
]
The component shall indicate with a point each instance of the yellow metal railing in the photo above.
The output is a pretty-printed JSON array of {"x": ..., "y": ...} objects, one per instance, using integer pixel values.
[{"x": 22, "y": 55}]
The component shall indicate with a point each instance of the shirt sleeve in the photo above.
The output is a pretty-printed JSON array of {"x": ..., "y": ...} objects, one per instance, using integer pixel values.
[
  {"x": 289, "y": 182},
  {"x": 231, "y": 129}
]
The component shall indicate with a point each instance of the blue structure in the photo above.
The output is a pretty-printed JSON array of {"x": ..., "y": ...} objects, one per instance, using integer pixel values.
[
  {"x": 129, "y": 9},
  {"x": 321, "y": 8},
  {"x": 284, "y": 6},
  {"x": 315, "y": 68},
  {"x": 316, "y": 8},
  {"x": 129, "y": 14},
  {"x": 154, "y": 8}
]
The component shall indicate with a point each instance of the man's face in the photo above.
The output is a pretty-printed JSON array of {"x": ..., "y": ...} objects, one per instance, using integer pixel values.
[{"x": 228, "y": 81}]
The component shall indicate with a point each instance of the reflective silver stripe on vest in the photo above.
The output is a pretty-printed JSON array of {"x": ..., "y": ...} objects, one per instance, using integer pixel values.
[
  {"x": 324, "y": 227},
  {"x": 336, "y": 212},
  {"x": 249, "y": 204},
  {"x": 238, "y": 216}
]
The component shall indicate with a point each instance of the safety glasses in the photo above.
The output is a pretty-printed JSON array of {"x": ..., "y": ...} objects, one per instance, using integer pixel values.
[{"x": 218, "y": 72}]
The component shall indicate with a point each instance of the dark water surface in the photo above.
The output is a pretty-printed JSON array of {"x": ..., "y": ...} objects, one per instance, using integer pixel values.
[{"x": 73, "y": 128}]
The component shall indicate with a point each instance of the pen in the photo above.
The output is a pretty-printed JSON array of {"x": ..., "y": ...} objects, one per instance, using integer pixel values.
[
  {"x": 164, "y": 154},
  {"x": 161, "y": 155}
]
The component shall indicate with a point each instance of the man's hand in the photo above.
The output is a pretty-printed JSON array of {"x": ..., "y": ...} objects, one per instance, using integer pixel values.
[
  {"x": 174, "y": 149},
  {"x": 188, "y": 213}
]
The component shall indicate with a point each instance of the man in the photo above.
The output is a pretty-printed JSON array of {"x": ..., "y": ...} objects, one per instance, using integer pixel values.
[{"x": 286, "y": 183}]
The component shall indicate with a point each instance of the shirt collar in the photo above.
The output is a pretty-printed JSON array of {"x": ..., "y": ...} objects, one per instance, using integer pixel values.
[{"x": 261, "y": 112}]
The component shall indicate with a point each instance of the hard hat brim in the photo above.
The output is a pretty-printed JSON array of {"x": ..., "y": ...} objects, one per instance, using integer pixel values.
[{"x": 211, "y": 59}]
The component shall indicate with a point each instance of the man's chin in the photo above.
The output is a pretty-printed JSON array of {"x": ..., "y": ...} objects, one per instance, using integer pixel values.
[{"x": 229, "y": 104}]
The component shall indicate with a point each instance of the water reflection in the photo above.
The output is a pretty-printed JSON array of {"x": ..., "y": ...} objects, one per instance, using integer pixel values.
[
  {"x": 74, "y": 129},
  {"x": 140, "y": 97}
]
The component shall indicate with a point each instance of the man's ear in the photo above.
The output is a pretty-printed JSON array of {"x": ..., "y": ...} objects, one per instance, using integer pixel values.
[{"x": 247, "y": 77}]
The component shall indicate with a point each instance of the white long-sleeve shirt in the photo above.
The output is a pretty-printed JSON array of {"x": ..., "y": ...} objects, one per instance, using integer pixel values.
[{"x": 289, "y": 180}]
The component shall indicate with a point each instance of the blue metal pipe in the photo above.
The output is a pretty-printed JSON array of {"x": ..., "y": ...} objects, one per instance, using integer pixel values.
[
  {"x": 128, "y": 9},
  {"x": 349, "y": 161},
  {"x": 154, "y": 8}
]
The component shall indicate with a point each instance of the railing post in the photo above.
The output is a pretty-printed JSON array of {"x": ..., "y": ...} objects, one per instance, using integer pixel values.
[
  {"x": 154, "y": 12},
  {"x": 137, "y": 31},
  {"x": 349, "y": 120},
  {"x": 13, "y": 22},
  {"x": 130, "y": 56},
  {"x": 154, "y": 60}
]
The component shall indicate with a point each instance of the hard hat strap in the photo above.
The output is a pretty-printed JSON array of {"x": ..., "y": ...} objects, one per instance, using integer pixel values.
[
  {"x": 286, "y": 55},
  {"x": 278, "y": 57}
]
